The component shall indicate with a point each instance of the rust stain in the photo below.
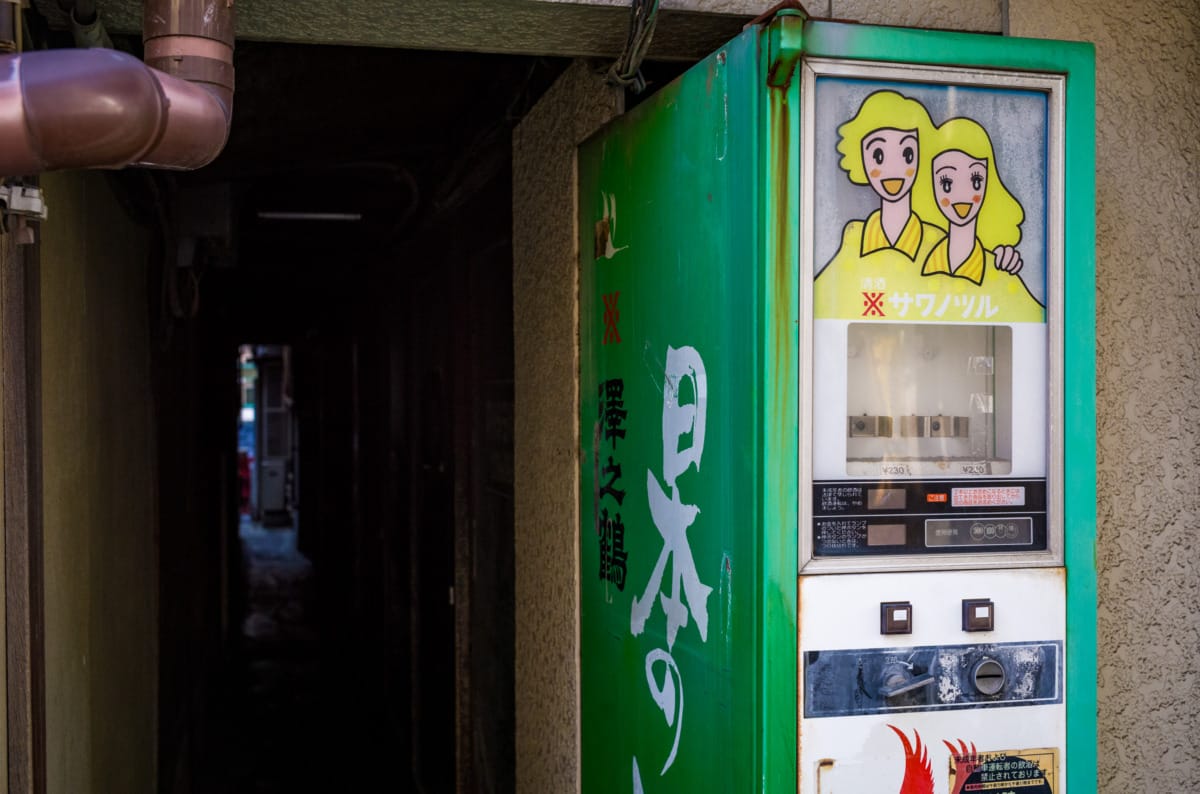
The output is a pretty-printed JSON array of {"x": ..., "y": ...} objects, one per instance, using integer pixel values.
[
  {"x": 784, "y": 66},
  {"x": 781, "y": 267},
  {"x": 823, "y": 766},
  {"x": 781, "y": 163},
  {"x": 600, "y": 244}
]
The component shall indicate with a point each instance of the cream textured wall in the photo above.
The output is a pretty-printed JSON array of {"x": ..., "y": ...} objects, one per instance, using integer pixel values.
[
  {"x": 546, "y": 431},
  {"x": 1148, "y": 390},
  {"x": 972, "y": 15},
  {"x": 101, "y": 561}
]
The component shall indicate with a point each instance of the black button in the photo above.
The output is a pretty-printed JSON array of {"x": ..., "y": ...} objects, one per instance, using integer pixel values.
[
  {"x": 895, "y": 617},
  {"x": 978, "y": 614}
]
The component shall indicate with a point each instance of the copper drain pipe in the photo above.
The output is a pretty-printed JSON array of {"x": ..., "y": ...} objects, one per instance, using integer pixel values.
[{"x": 101, "y": 108}]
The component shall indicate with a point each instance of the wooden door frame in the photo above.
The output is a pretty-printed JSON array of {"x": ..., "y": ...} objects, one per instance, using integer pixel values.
[{"x": 21, "y": 438}]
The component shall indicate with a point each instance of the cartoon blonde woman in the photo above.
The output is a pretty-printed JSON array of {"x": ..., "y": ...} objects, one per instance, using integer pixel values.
[
  {"x": 882, "y": 147},
  {"x": 980, "y": 215}
]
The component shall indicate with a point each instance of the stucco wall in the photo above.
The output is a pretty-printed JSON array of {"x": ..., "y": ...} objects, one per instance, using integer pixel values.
[
  {"x": 973, "y": 15},
  {"x": 100, "y": 556},
  {"x": 546, "y": 431},
  {"x": 1148, "y": 336}
]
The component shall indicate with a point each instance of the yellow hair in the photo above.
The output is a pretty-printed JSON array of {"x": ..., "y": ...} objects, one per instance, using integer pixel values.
[
  {"x": 883, "y": 110},
  {"x": 1000, "y": 215}
]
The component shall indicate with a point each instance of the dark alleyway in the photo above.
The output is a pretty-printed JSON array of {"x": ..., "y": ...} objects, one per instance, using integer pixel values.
[
  {"x": 283, "y": 724},
  {"x": 382, "y": 659},
  {"x": 271, "y": 733}
]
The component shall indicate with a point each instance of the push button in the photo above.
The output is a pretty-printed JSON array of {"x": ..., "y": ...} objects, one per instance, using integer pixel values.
[
  {"x": 895, "y": 617},
  {"x": 978, "y": 614}
]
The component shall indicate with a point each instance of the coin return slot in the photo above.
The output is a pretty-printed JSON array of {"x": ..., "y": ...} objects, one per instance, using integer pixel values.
[{"x": 988, "y": 677}]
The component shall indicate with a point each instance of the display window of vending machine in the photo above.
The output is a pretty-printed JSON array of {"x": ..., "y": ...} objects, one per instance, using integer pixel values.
[{"x": 837, "y": 413}]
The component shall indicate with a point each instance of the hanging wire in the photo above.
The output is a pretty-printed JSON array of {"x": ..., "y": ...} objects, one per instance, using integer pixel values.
[{"x": 626, "y": 71}]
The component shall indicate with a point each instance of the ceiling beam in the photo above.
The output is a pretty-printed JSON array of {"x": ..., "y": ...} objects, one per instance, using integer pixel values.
[{"x": 687, "y": 29}]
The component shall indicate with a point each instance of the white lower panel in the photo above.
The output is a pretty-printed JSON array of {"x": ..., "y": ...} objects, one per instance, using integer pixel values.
[
  {"x": 859, "y": 755},
  {"x": 851, "y": 698}
]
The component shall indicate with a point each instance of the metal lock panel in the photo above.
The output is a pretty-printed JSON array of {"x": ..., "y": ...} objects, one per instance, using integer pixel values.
[{"x": 869, "y": 426}]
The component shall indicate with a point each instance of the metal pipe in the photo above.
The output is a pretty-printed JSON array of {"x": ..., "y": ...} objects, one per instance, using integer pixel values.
[
  {"x": 84, "y": 11},
  {"x": 87, "y": 29},
  {"x": 100, "y": 108}
]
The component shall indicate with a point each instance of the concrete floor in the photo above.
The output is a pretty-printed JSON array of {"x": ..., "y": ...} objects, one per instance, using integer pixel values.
[
  {"x": 274, "y": 735},
  {"x": 296, "y": 713}
]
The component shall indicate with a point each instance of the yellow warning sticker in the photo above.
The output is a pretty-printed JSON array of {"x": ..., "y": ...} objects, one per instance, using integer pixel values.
[{"x": 1004, "y": 771}]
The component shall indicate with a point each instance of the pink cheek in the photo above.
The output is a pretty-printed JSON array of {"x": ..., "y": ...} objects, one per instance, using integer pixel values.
[
  {"x": 909, "y": 172},
  {"x": 977, "y": 199},
  {"x": 875, "y": 173},
  {"x": 945, "y": 202}
]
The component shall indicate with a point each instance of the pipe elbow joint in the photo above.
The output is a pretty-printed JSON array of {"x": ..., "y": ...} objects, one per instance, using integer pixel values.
[
  {"x": 99, "y": 108},
  {"x": 195, "y": 125}
]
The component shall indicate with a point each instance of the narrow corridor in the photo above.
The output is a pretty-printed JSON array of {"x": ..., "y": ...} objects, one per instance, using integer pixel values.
[{"x": 274, "y": 737}]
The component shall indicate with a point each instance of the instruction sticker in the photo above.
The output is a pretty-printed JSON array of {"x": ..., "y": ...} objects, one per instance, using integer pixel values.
[
  {"x": 1004, "y": 496},
  {"x": 1005, "y": 772}
]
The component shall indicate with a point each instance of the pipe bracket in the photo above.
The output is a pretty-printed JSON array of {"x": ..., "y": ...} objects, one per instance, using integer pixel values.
[{"x": 25, "y": 201}]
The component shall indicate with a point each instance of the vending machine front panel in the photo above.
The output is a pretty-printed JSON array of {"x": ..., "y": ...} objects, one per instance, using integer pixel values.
[
  {"x": 932, "y": 282},
  {"x": 934, "y": 241}
]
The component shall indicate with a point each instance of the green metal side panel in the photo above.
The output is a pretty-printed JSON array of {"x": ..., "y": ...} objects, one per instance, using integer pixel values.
[{"x": 676, "y": 304}]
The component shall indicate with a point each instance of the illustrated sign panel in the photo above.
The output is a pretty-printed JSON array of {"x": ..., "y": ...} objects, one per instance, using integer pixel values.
[{"x": 934, "y": 252}]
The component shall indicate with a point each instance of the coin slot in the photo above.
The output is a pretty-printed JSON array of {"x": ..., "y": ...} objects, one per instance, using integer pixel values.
[{"x": 988, "y": 677}]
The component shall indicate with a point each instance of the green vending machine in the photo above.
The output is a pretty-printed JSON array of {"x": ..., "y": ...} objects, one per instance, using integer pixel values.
[{"x": 837, "y": 403}]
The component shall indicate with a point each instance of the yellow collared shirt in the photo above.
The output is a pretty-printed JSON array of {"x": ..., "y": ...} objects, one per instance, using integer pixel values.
[
  {"x": 875, "y": 239},
  {"x": 887, "y": 285},
  {"x": 939, "y": 262}
]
